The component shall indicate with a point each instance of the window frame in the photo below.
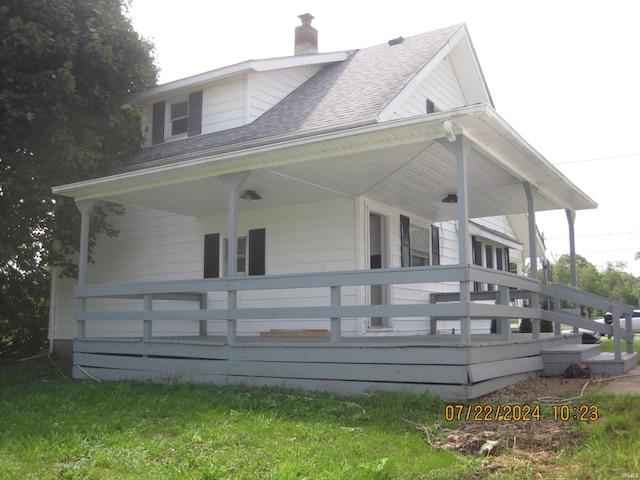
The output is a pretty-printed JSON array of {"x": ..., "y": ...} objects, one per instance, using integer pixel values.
[
  {"x": 164, "y": 119},
  {"x": 407, "y": 245},
  {"x": 499, "y": 258},
  {"x": 182, "y": 120},
  {"x": 241, "y": 256}
]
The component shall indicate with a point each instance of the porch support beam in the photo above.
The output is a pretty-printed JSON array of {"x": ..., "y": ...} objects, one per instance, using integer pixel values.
[
  {"x": 460, "y": 146},
  {"x": 336, "y": 322},
  {"x": 571, "y": 220},
  {"x": 85, "y": 207},
  {"x": 530, "y": 192},
  {"x": 233, "y": 181}
]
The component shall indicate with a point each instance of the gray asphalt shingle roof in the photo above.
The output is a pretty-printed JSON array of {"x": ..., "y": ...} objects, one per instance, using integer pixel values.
[{"x": 356, "y": 89}]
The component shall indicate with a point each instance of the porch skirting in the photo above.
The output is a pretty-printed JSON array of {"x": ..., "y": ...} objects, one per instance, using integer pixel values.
[{"x": 440, "y": 364}]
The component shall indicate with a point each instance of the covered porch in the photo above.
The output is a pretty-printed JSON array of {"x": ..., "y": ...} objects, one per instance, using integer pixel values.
[
  {"x": 454, "y": 366},
  {"x": 469, "y": 156}
]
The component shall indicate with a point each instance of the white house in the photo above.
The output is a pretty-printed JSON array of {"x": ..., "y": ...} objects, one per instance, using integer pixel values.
[{"x": 347, "y": 221}]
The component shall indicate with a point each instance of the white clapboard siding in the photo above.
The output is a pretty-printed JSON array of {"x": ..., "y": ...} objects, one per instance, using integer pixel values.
[
  {"x": 266, "y": 89},
  {"x": 441, "y": 87},
  {"x": 224, "y": 105}
]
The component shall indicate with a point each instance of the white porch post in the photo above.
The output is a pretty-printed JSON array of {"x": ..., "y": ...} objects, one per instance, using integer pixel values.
[
  {"x": 571, "y": 219},
  {"x": 233, "y": 181},
  {"x": 460, "y": 146},
  {"x": 530, "y": 191},
  {"x": 85, "y": 207}
]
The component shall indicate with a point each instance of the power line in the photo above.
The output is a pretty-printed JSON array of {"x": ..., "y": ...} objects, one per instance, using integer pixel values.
[
  {"x": 616, "y": 157},
  {"x": 608, "y": 234}
]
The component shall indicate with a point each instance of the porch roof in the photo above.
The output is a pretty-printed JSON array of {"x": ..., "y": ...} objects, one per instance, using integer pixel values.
[{"x": 403, "y": 163}]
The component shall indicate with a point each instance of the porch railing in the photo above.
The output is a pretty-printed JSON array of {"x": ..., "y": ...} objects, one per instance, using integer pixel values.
[{"x": 496, "y": 303}]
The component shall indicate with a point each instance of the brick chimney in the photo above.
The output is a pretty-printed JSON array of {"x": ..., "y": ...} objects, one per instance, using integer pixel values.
[{"x": 306, "y": 36}]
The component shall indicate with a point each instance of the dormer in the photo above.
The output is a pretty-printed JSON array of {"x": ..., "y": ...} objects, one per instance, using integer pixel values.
[{"x": 232, "y": 96}]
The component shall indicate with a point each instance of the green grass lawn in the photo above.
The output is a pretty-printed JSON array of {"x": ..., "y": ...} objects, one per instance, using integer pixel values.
[{"x": 52, "y": 427}]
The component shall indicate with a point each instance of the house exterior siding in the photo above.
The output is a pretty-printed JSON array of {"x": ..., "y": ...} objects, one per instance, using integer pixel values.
[
  {"x": 318, "y": 237},
  {"x": 441, "y": 87},
  {"x": 265, "y": 89}
]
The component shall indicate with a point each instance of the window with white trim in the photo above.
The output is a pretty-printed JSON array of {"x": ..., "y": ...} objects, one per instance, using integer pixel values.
[
  {"x": 419, "y": 246},
  {"x": 180, "y": 116},
  {"x": 490, "y": 255},
  {"x": 250, "y": 255},
  {"x": 241, "y": 256}
]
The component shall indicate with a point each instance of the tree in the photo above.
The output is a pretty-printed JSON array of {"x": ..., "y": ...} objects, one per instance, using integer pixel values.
[
  {"x": 618, "y": 284},
  {"x": 588, "y": 276},
  {"x": 67, "y": 67}
]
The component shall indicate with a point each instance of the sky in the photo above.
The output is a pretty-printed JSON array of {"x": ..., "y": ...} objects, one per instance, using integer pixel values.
[{"x": 564, "y": 73}]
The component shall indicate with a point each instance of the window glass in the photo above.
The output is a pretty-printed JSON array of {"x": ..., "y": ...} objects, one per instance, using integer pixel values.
[
  {"x": 241, "y": 256},
  {"x": 420, "y": 246},
  {"x": 179, "y": 117}
]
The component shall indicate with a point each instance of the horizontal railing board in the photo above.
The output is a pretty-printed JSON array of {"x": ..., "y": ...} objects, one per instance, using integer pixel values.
[
  {"x": 485, "y": 371},
  {"x": 276, "y": 282},
  {"x": 186, "y": 350},
  {"x": 581, "y": 297},
  {"x": 444, "y": 391},
  {"x": 109, "y": 374},
  {"x": 343, "y": 311},
  {"x": 368, "y": 355},
  {"x": 516, "y": 349},
  {"x": 488, "y": 386},
  {"x": 583, "y": 322},
  {"x": 169, "y": 366},
  {"x": 452, "y": 374},
  {"x": 498, "y": 277}
]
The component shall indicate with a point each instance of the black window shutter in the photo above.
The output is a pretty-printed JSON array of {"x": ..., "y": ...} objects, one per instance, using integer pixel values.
[
  {"x": 195, "y": 113},
  {"x": 477, "y": 251},
  {"x": 157, "y": 126},
  {"x": 257, "y": 251},
  {"x": 212, "y": 255},
  {"x": 435, "y": 245},
  {"x": 405, "y": 242},
  {"x": 499, "y": 259}
]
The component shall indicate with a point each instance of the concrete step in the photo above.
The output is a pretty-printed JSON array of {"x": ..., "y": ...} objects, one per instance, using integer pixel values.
[
  {"x": 578, "y": 353},
  {"x": 557, "y": 360},
  {"x": 605, "y": 364}
]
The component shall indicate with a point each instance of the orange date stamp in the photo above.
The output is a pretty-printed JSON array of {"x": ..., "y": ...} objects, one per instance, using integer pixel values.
[{"x": 519, "y": 413}]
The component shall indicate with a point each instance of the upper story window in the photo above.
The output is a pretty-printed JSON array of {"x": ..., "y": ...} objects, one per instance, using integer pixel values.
[
  {"x": 183, "y": 116},
  {"x": 179, "y": 117}
]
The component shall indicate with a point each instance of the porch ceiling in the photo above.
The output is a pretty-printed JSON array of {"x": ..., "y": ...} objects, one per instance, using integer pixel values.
[{"x": 402, "y": 163}]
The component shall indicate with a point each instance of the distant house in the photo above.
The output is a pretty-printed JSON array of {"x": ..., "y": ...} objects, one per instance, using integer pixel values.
[{"x": 347, "y": 221}]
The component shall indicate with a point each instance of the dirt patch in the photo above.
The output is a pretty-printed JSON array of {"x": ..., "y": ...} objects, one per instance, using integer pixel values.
[{"x": 511, "y": 447}]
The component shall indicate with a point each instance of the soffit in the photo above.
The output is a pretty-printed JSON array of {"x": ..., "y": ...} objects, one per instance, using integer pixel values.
[{"x": 401, "y": 163}]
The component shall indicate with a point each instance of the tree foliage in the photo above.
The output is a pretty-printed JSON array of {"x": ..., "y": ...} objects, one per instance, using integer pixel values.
[
  {"x": 67, "y": 67},
  {"x": 612, "y": 281}
]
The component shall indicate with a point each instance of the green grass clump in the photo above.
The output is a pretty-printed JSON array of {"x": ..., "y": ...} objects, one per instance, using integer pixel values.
[{"x": 53, "y": 427}]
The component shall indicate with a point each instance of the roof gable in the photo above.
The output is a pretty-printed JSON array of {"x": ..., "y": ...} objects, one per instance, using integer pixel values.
[{"x": 355, "y": 91}]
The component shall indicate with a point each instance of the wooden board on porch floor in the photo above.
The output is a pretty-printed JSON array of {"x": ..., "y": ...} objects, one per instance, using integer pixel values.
[{"x": 296, "y": 333}]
